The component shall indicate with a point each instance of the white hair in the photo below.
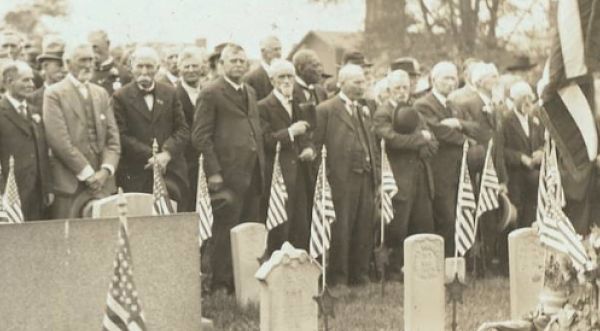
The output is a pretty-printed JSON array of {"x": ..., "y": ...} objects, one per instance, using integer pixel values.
[
  {"x": 191, "y": 52},
  {"x": 349, "y": 71},
  {"x": 480, "y": 71},
  {"x": 520, "y": 89},
  {"x": 443, "y": 68},
  {"x": 144, "y": 51},
  {"x": 72, "y": 48},
  {"x": 268, "y": 42},
  {"x": 381, "y": 86},
  {"x": 279, "y": 66}
]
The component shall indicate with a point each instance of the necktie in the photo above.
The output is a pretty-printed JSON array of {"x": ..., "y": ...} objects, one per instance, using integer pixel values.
[{"x": 23, "y": 111}]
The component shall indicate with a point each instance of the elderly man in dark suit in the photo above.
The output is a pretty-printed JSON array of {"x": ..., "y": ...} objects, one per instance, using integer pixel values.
[
  {"x": 485, "y": 107},
  {"x": 227, "y": 133},
  {"x": 344, "y": 127},
  {"x": 281, "y": 124},
  {"x": 82, "y": 135},
  {"x": 53, "y": 48},
  {"x": 109, "y": 74},
  {"x": 524, "y": 142},
  {"x": 146, "y": 110},
  {"x": 258, "y": 78},
  {"x": 170, "y": 72},
  {"x": 449, "y": 126},
  {"x": 22, "y": 136},
  {"x": 307, "y": 92},
  {"x": 193, "y": 68},
  {"x": 409, "y": 146}
]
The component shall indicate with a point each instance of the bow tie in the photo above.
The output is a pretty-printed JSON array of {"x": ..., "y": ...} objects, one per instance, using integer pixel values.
[{"x": 147, "y": 92}]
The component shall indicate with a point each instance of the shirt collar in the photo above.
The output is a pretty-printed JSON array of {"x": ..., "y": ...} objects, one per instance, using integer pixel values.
[
  {"x": 283, "y": 99},
  {"x": 76, "y": 81},
  {"x": 265, "y": 66},
  {"x": 442, "y": 99},
  {"x": 347, "y": 100},
  {"x": 521, "y": 117},
  {"x": 486, "y": 100},
  {"x": 189, "y": 89},
  {"x": 14, "y": 102},
  {"x": 235, "y": 86},
  {"x": 107, "y": 62},
  {"x": 172, "y": 78},
  {"x": 393, "y": 103},
  {"x": 148, "y": 90},
  {"x": 302, "y": 83}
]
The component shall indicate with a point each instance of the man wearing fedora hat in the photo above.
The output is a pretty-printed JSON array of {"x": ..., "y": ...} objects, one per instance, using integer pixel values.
[
  {"x": 146, "y": 110},
  {"x": 53, "y": 69}
]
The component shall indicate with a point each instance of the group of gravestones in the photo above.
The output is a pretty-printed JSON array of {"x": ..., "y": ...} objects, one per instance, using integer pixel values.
[{"x": 55, "y": 274}]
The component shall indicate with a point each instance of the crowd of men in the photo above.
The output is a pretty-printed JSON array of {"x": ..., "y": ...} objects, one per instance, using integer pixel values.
[{"x": 79, "y": 124}]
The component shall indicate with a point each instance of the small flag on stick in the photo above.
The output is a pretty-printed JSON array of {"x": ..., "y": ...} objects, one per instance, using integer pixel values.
[
  {"x": 489, "y": 187},
  {"x": 11, "y": 200},
  {"x": 464, "y": 236},
  {"x": 203, "y": 206},
  {"x": 123, "y": 310},
  {"x": 389, "y": 188},
  {"x": 162, "y": 203},
  {"x": 323, "y": 213},
  {"x": 277, "y": 213}
]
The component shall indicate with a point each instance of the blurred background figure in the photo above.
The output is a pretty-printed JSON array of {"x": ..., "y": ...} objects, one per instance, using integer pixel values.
[
  {"x": 51, "y": 63},
  {"x": 108, "y": 73},
  {"x": 169, "y": 71},
  {"x": 258, "y": 78}
]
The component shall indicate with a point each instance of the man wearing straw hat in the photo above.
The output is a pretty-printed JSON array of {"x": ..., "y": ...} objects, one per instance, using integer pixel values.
[
  {"x": 51, "y": 61},
  {"x": 344, "y": 127}
]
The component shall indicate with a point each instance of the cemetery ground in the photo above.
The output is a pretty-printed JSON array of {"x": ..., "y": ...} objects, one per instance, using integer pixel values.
[{"x": 363, "y": 308}]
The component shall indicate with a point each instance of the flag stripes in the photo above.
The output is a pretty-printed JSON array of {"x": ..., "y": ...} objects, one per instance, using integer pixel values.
[
  {"x": 323, "y": 213},
  {"x": 389, "y": 188},
  {"x": 162, "y": 203},
  {"x": 203, "y": 204},
  {"x": 464, "y": 236},
  {"x": 277, "y": 213},
  {"x": 489, "y": 187},
  {"x": 10, "y": 200}
]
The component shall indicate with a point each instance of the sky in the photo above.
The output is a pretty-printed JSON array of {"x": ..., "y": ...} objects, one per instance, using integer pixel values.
[{"x": 182, "y": 21}]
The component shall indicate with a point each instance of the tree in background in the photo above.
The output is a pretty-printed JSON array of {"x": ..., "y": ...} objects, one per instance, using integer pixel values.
[{"x": 28, "y": 17}]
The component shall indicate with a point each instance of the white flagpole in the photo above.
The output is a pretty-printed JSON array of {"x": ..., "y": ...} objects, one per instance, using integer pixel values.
[
  {"x": 381, "y": 195},
  {"x": 323, "y": 178}
]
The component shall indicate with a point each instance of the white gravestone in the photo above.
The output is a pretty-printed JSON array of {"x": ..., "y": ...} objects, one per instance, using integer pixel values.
[
  {"x": 289, "y": 282},
  {"x": 138, "y": 204},
  {"x": 526, "y": 263},
  {"x": 248, "y": 242},
  {"x": 424, "y": 292}
]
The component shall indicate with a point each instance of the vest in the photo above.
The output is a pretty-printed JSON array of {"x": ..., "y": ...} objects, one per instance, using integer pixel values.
[{"x": 90, "y": 122}]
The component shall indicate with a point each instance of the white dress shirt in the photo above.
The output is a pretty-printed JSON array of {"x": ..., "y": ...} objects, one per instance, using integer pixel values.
[
  {"x": 20, "y": 106},
  {"x": 172, "y": 78},
  {"x": 82, "y": 87},
  {"x": 524, "y": 120},
  {"x": 148, "y": 98},
  {"x": 192, "y": 92},
  {"x": 287, "y": 105}
]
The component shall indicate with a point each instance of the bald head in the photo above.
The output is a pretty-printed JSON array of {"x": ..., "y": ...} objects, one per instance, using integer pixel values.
[
  {"x": 352, "y": 81},
  {"x": 144, "y": 65},
  {"x": 444, "y": 76},
  {"x": 270, "y": 48}
]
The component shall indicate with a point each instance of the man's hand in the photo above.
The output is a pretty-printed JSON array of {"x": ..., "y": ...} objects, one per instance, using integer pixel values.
[
  {"x": 426, "y": 134},
  {"x": 162, "y": 158},
  {"x": 452, "y": 122},
  {"x": 49, "y": 199},
  {"x": 298, "y": 128},
  {"x": 307, "y": 154},
  {"x": 215, "y": 183},
  {"x": 537, "y": 157},
  {"x": 97, "y": 180},
  {"x": 503, "y": 188},
  {"x": 527, "y": 161}
]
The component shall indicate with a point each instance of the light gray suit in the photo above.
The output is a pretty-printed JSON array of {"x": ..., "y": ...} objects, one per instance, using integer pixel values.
[{"x": 72, "y": 146}]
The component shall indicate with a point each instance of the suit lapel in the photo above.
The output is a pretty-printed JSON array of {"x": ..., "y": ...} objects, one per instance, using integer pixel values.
[
  {"x": 75, "y": 100},
  {"x": 444, "y": 110},
  {"x": 343, "y": 114},
  {"x": 280, "y": 109},
  {"x": 98, "y": 115},
  {"x": 159, "y": 104},
  {"x": 230, "y": 93},
  {"x": 139, "y": 104},
  {"x": 17, "y": 120}
]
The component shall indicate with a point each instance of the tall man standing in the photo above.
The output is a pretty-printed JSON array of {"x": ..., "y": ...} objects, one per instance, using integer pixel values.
[
  {"x": 108, "y": 74},
  {"x": 344, "y": 127},
  {"x": 146, "y": 110},
  {"x": 449, "y": 127},
  {"x": 82, "y": 134},
  {"x": 227, "y": 132},
  {"x": 280, "y": 123},
  {"x": 270, "y": 49},
  {"x": 22, "y": 136},
  {"x": 53, "y": 68}
]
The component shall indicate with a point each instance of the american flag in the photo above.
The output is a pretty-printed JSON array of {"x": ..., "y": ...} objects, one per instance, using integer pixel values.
[
  {"x": 277, "y": 213},
  {"x": 389, "y": 188},
  {"x": 555, "y": 229},
  {"x": 203, "y": 206},
  {"x": 464, "y": 236},
  {"x": 569, "y": 94},
  {"x": 489, "y": 187},
  {"x": 10, "y": 200},
  {"x": 3, "y": 216},
  {"x": 123, "y": 310},
  {"x": 162, "y": 203},
  {"x": 323, "y": 213}
]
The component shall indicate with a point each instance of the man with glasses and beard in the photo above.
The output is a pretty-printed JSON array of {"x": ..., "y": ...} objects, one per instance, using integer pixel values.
[
  {"x": 82, "y": 135},
  {"x": 280, "y": 123},
  {"x": 227, "y": 133},
  {"x": 146, "y": 110}
]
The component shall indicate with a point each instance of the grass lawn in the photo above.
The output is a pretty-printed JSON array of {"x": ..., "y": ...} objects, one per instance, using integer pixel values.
[{"x": 364, "y": 308}]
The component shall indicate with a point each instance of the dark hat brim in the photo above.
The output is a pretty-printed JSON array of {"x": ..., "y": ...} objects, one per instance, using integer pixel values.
[
  {"x": 46, "y": 57},
  {"x": 520, "y": 67}
]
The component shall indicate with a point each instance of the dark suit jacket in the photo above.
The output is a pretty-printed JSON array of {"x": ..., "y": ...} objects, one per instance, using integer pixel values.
[
  {"x": 307, "y": 107},
  {"x": 517, "y": 143},
  {"x": 138, "y": 127},
  {"x": 25, "y": 140},
  {"x": 37, "y": 98},
  {"x": 275, "y": 121},
  {"x": 260, "y": 82},
  {"x": 446, "y": 162},
  {"x": 345, "y": 154},
  {"x": 403, "y": 151},
  {"x": 228, "y": 134},
  {"x": 489, "y": 125},
  {"x": 111, "y": 77}
]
